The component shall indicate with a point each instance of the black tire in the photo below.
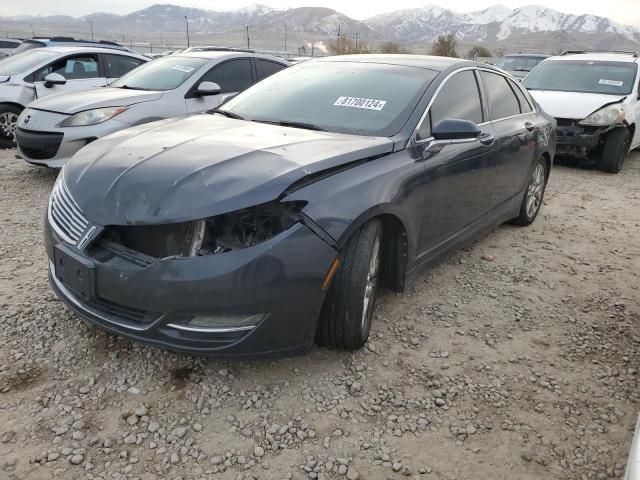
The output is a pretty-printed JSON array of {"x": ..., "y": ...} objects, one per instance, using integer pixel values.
[
  {"x": 616, "y": 147},
  {"x": 533, "y": 195},
  {"x": 8, "y": 119},
  {"x": 345, "y": 322}
]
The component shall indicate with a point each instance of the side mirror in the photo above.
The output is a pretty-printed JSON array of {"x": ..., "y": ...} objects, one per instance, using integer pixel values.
[
  {"x": 54, "y": 79},
  {"x": 208, "y": 88},
  {"x": 454, "y": 129}
]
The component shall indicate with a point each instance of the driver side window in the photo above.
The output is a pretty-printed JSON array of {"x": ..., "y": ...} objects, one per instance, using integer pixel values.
[
  {"x": 458, "y": 99},
  {"x": 71, "y": 68}
]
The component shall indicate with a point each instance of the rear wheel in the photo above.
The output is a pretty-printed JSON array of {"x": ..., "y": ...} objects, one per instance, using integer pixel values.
[
  {"x": 616, "y": 147},
  {"x": 345, "y": 320},
  {"x": 534, "y": 194},
  {"x": 8, "y": 121}
]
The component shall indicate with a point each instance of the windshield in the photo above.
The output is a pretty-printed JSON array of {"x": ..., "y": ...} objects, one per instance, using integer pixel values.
[
  {"x": 346, "y": 97},
  {"x": 164, "y": 73},
  {"x": 23, "y": 62},
  {"x": 519, "y": 63},
  {"x": 609, "y": 78},
  {"x": 28, "y": 45}
]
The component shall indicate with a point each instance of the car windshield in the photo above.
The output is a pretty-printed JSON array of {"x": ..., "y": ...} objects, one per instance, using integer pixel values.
[
  {"x": 519, "y": 63},
  {"x": 28, "y": 45},
  {"x": 345, "y": 97},
  {"x": 609, "y": 78},
  {"x": 164, "y": 73},
  {"x": 22, "y": 62}
]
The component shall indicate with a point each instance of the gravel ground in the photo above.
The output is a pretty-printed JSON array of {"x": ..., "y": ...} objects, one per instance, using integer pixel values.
[{"x": 515, "y": 358}]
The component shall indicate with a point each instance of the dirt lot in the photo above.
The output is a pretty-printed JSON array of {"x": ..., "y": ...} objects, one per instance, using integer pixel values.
[{"x": 517, "y": 358}]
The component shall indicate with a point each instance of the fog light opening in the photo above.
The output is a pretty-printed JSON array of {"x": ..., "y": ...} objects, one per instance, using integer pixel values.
[{"x": 220, "y": 323}]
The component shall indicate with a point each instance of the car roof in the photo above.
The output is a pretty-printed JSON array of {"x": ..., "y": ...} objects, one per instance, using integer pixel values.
[
  {"x": 421, "y": 61},
  {"x": 213, "y": 54},
  {"x": 536, "y": 55},
  {"x": 89, "y": 49},
  {"x": 599, "y": 56}
]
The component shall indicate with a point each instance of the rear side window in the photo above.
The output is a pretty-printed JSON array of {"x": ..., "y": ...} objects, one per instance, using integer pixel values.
[
  {"x": 7, "y": 44},
  {"x": 502, "y": 101},
  {"x": 266, "y": 68},
  {"x": 458, "y": 99},
  {"x": 118, "y": 65},
  {"x": 232, "y": 76},
  {"x": 525, "y": 105}
]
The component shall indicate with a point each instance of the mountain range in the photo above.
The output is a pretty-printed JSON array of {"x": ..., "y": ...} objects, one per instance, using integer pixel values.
[{"x": 526, "y": 28}]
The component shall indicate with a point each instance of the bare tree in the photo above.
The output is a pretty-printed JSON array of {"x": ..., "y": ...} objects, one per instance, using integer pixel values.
[
  {"x": 392, "y": 47},
  {"x": 499, "y": 52},
  {"x": 344, "y": 45},
  {"x": 479, "y": 50},
  {"x": 445, "y": 45}
]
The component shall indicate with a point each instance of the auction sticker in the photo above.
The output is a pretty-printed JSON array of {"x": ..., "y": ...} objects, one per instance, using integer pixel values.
[
  {"x": 615, "y": 83},
  {"x": 357, "y": 102}
]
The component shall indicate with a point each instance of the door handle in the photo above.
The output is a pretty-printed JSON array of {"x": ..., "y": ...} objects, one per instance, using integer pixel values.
[
  {"x": 529, "y": 126},
  {"x": 487, "y": 139}
]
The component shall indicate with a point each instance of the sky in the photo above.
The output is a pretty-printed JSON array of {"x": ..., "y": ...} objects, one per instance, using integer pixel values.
[{"x": 626, "y": 12}]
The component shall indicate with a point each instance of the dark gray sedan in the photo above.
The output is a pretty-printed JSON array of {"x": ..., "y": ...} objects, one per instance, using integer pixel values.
[{"x": 270, "y": 224}]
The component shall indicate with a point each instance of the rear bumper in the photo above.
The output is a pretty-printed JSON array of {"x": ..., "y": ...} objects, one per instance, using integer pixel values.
[{"x": 278, "y": 279}]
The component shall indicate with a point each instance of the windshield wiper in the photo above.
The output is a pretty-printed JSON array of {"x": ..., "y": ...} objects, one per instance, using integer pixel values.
[
  {"x": 127, "y": 87},
  {"x": 227, "y": 113},
  {"x": 284, "y": 123}
]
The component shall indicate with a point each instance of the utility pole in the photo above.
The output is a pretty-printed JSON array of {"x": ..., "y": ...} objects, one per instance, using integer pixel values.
[
  {"x": 91, "y": 26},
  {"x": 187, "y": 22},
  {"x": 339, "y": 51},
  {"x": 285, "y": 37},
  {"x": 356, "y": 37},
  {"x": 33, "y": 33},
  {"x": 248, "y": 41}
]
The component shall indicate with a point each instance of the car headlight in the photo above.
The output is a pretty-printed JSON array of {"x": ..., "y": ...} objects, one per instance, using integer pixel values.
[
  {"x": 209, "y": 236},
  {"x": 92, "y": 117},
  {"x": 243, "y": 228},
  {"x": 605, "y": 116}
]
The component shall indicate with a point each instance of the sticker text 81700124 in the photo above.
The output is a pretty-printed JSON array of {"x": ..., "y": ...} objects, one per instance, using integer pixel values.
[
  {"x": 614, "y": 83},
  {"x": 357, "y": 102}
]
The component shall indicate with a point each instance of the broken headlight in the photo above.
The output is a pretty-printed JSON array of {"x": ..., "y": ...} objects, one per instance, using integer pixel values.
[
  {"x": 243, "y": 228},
  {"x": 605, "y": 116}
]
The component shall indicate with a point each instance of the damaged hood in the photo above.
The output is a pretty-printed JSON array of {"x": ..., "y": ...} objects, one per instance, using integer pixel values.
[
  {"x": 74, "y": 102},
  {"x": 573, "y": 105},
  {"x": 184, "y": 169}
]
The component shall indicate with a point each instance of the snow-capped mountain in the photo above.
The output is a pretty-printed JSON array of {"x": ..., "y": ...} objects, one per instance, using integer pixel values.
[
  {"x": 531, "y": 27},
  {"x": 494, "y": 23}
]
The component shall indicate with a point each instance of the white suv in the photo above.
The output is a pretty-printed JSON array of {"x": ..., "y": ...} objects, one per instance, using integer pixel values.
[
  {"x": 596, "y": 101},
  {"x": 40, "y": 72}
]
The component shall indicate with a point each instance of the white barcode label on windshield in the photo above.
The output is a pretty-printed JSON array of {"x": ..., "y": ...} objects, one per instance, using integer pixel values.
[
  {"x": 615, "y": 83},
  {"x": 357, "y": 102}
]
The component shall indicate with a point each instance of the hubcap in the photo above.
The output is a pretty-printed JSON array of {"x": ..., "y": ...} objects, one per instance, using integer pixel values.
[
  {"x": 535, "y": 191},
  {"x": 372, "y": 283},
  {"x": 8, "y": 122}
]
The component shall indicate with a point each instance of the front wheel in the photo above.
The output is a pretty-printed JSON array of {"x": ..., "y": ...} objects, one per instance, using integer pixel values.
[
  {"x": 8, "y": 121},
  {"x": 345, "y": 320},
  {"x": 616, "y": 147},
  {"x": 533, "y": 196}
]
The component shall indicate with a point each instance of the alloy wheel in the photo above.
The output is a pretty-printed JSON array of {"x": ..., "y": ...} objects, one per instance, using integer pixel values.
[
  {"x": 371, "y": 284},
  {"x": 535, "y": 190},
  {"x": 8, "y": 122}
]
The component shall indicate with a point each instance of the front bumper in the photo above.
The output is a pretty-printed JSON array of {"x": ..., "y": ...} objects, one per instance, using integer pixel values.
[
  {"x": 278, "y": 278},
  {"x": 41, "y": 142},
  {"x": 576, "y": 141}
]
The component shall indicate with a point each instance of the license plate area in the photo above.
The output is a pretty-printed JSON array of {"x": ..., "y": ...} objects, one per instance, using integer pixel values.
[{"x": 74, "y": 272}]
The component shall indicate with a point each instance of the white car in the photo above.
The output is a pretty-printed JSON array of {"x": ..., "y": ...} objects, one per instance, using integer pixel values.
[
  {"x": 595, "y": 99},
  {"x": 39, "y": 72},
  {"x": 52, "y": 129}
]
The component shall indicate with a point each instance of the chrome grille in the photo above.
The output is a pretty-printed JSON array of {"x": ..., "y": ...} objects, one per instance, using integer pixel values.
[{"x": 65, "y": 216}]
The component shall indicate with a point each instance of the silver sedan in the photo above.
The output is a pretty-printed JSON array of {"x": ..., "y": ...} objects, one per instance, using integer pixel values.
[{"x": 51, "y": 130}]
